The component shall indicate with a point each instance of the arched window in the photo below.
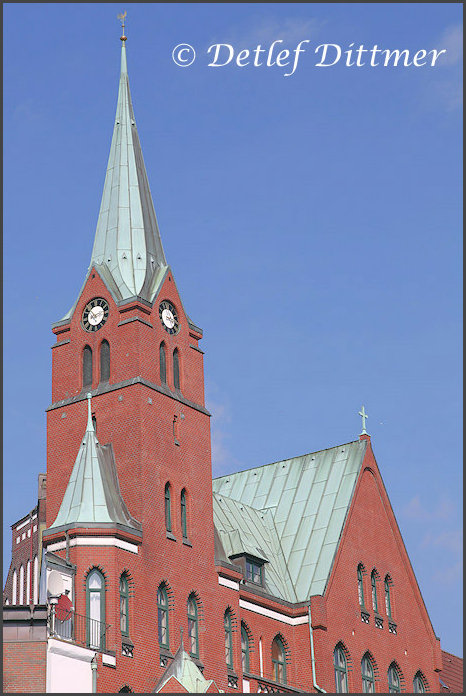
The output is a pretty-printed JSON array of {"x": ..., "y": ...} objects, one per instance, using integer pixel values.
[
  {"x": 21, "y": 584},
  {"x": 124, "y": 594},
  {"x": 184, "y": 524},
  {"x": 393, "y": 680},
  {"x": 360, "y": 585},
  {"x": 28, "y": 582},
  {"x": 162, "y": 616},
  {"x": 278, "y": 660},
  {"x": 193, "y": 627},
  {"x": 339, "y": 665},
  {"x": 388, "y": 604},
  {"x": 87, "y": 366},
  {"x": 36, "y": 581},
  {"x": 14, "y": 587},
  {"x": 228, "y": 638},
  {"x": 374, "y": 590},
  {"x": 94, "y": 424},
  {"x": 367, "y": 671},
  {"x": 163, "y": 364},
  {"x": 104, "y": 361},
  {"x": 419, "y": 683},
  {"x": 168, "y": 508},
  {"x": 95, "y": 609},
  {"x": 244, "y": 648},
  {"x": 176, "y": 369}
]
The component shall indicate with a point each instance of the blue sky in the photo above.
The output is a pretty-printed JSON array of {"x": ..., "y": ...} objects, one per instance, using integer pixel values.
[{"x": 312, "y": 223}]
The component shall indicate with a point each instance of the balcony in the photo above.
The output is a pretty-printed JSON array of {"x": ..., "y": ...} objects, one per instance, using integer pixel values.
[{"x": 81, "y": 630}]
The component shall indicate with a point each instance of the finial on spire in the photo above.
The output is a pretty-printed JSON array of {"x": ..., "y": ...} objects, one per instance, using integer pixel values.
[
  {"x": 121, "y": 17},
  {"x": 90, "y": 424},
  {"x": 363, "y": 415}
]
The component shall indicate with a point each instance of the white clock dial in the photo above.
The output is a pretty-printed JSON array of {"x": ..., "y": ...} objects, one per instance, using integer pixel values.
[
  {"x": 96, "y": 315},
  {"x": 168, "y": 318}
]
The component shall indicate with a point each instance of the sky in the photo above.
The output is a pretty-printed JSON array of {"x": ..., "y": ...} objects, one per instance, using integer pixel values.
[{"x": 312, "y": 222}]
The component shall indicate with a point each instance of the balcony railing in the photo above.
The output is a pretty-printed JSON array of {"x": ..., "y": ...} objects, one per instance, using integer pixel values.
[
  {"x": 82, "y": 630},
  {"x": 267, "y": 685}
]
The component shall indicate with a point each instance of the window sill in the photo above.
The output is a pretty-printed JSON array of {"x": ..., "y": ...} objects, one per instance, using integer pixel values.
[
  {"x": 186, "y": 542},
  {"x": 127, "y": 646},
  {"x": 165, "y": 656},
  {"x": 171, "y": 536}
]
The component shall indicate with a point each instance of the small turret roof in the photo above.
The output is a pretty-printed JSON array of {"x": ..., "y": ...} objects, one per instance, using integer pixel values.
[
  {"x": 93, "y": 493},
  {"x": 186, "y": 672}
]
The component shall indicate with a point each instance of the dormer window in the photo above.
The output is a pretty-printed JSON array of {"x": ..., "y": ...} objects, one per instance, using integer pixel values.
[
  {"x": 254, "y": 571},
  {"x": 253, "y": 567}
]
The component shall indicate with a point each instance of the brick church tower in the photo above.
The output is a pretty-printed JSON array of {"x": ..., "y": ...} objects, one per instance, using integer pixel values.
[
  {"x": 121, "y": 502},
  {"x": 288, "y": 577}
]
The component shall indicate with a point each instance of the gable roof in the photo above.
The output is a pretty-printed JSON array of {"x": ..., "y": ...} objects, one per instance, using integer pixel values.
[
  {"x": 294, "y": 510},
  {"x": 451, "y": 676}
]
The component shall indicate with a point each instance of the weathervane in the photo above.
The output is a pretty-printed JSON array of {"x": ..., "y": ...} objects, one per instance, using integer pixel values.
[
  {"x": 363, "y": 415},
  {"x": 121, "y": 17}
]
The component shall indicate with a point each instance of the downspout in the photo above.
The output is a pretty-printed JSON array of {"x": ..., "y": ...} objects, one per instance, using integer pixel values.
[
  {"x": 94, "y": 674},
  {"x": 313, "y": 659}
]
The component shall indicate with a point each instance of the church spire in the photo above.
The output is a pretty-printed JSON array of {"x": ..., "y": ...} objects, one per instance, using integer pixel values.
[{"x": 127, "y": 240}]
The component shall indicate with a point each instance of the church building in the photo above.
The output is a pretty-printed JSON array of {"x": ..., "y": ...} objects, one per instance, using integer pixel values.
[{"x": 136, "y": 571}]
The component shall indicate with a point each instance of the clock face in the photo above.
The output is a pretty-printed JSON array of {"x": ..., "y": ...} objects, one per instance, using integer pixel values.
[
  {"x": 169, "y": 317},
  {"x": 95, "y": 314}
]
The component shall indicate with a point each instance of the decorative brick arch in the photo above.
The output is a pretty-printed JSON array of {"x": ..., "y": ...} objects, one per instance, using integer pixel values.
[
  {"x": 347, "y": 654},
  {"x": 101, "y": 570},
  {"x": 374, "y": 664},
  {"x": 234, "y": 620},
  {"x": 395, "y": 664},
  {"x": 246, "y": 627},
  {"x": 423, "y": 679},
  {"x": 130, "y": 580},
  {"x": 285, "y": 644},
  {"x": 170, "y": 594},
  {"x": 200, "y": 605}
]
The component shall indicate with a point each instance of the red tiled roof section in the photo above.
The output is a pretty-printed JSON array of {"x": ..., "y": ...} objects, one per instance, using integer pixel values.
[{"x": 452, "y": 673}]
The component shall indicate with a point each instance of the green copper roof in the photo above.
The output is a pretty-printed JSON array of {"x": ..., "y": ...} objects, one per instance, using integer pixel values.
[
  {"x": 294, "y": 510},
  {"x": 186, "y": 672},
  {"x": 127, "y": 238},
  {"x": 245, "y": 530},
  {"x": 93, "y": 493}
]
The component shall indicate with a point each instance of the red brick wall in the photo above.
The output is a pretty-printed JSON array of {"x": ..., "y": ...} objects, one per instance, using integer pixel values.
[{"x": 24, "y": 667}]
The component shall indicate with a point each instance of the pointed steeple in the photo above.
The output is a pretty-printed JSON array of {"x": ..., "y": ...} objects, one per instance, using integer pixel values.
[
  {"x": 127, "y": 240},
  {"x": 93, "y": 493}
]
